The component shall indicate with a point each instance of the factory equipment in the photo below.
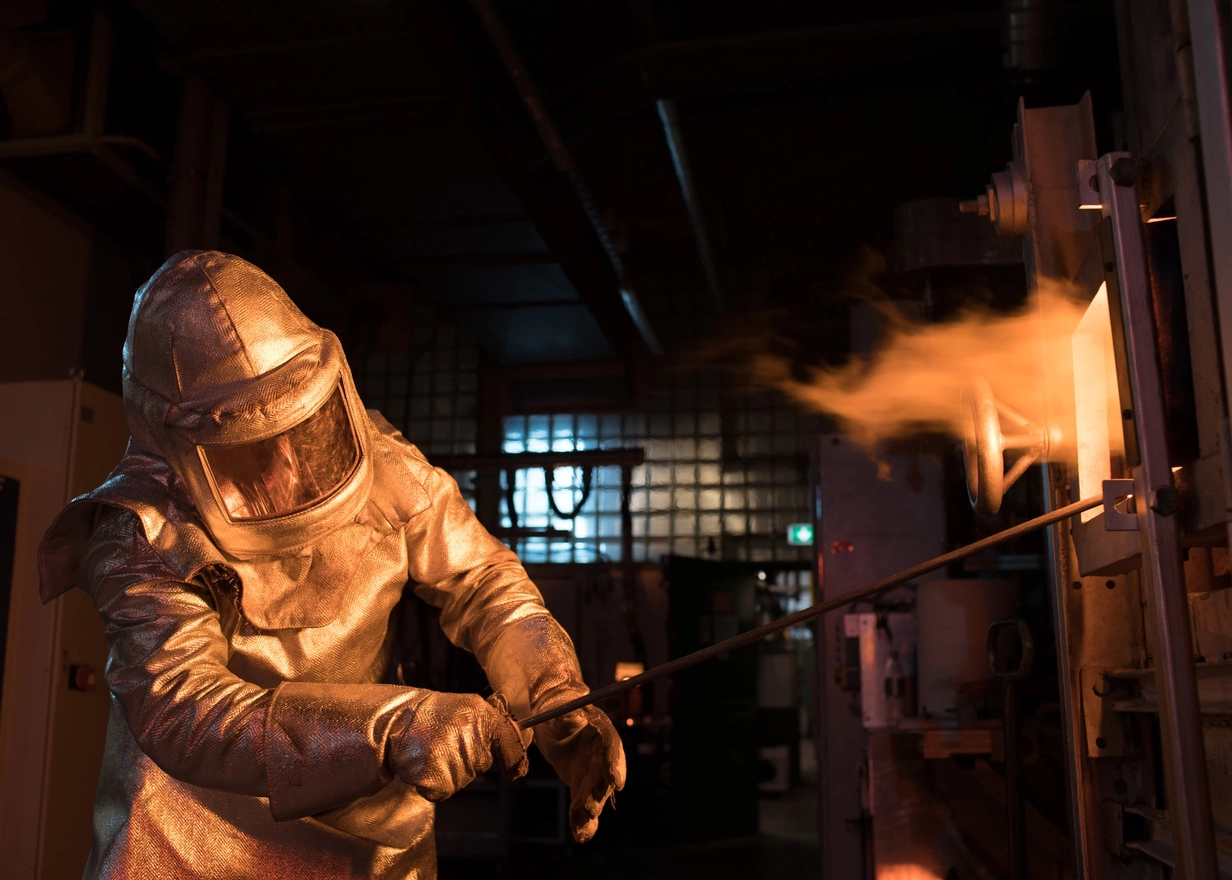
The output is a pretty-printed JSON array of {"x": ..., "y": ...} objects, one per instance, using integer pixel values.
[
  {"x": 1011, "y": 651},
  {"x": 985, "y": 445},
  {"x": 885, "y": 643},
  {"x": 1133, "y": 237},
  {"x": 57, "y": 440},
  {"x": 954, "y": 617},
  {"x": 1135, "y": 410}
]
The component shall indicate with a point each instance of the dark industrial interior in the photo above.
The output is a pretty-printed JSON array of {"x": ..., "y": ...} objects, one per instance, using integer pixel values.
[{"x": 673, "y": 289}]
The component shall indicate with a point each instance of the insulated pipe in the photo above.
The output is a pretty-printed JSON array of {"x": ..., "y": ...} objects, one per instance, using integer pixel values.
[
  {"x": 865, "y": 592},
  {"x": 648, "y": 29}
]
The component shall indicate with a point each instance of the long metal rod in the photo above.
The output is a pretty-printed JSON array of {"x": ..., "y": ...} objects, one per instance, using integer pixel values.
[
  {"x": 758, "y": 633},
  {"x": 1163, "y": 575}
]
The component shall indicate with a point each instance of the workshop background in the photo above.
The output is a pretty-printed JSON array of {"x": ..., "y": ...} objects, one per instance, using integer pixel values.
[{"x": 556, "y": 229}]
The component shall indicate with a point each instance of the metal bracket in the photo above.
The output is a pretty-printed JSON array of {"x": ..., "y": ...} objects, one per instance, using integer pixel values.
[
  {"x": 1104, "y": 726},
  {"x": 1088, "y": 185},
  {"x": 1115, "y": 520}
]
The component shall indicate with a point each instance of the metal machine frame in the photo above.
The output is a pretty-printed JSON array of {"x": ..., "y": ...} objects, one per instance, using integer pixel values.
[
  {"x": 1134, "y": 683},
  {"x": 1144, "y": 634}
]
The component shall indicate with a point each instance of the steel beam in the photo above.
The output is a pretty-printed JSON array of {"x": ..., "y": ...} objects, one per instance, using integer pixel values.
[
  {"x": 1209, "y": 43},
  {"x": 1167, "y": 609}
]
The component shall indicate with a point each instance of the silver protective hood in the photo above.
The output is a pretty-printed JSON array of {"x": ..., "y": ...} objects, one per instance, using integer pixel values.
[{"x": 220, "y": 367}]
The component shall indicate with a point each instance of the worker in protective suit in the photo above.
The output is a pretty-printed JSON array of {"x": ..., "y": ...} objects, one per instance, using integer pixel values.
[{"x": 246, "y": 556}]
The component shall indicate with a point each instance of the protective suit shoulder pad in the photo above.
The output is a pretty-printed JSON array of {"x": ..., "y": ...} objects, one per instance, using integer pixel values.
[
  {"x": 144, "y": 485},
  {"x": 399, "y": 490}
]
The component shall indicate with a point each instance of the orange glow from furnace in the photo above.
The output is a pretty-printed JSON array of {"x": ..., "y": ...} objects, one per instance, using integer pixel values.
[
  {"x": 905, "y": 872},
  {"x": 912, "y": 382}
]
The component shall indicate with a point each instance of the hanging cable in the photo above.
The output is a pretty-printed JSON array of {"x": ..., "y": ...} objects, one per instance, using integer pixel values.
[
  {"x": 550, "y": 474},
  {"x": 511, "y": 488}
]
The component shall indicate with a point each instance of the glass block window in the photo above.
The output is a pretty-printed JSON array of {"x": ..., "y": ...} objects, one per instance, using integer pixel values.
[
  {"x": 594, "y": 534},
  {"x": 718, "y": 481}
]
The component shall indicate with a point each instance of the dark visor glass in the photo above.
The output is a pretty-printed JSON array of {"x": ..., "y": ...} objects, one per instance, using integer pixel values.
[{"x": 290, "y": 471}]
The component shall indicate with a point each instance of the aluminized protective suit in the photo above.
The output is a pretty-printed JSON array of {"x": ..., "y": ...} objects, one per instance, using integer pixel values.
[{"x": 246, "y": 556}]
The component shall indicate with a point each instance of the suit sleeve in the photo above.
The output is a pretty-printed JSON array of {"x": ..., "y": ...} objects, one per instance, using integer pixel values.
[
  {"x": 307, "y": 747},
  {"x": 489, "y": 606}
]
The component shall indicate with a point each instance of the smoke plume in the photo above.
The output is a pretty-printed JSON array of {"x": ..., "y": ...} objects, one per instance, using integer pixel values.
[{"x": 912, "y": 382}]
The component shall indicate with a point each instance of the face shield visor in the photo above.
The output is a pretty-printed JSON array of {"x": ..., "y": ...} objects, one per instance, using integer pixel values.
[{"x": 289, "y": 472}]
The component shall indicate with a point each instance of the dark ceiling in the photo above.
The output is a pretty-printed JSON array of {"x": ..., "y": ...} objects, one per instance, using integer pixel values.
[{"x": 383, "y": 143}]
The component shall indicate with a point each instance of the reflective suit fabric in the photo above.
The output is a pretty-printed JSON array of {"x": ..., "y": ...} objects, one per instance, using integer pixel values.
[{"x": 242, "y": 751}]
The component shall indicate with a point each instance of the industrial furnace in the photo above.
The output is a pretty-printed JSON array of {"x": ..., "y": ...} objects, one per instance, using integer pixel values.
[{"x": 1126, "y": 249}]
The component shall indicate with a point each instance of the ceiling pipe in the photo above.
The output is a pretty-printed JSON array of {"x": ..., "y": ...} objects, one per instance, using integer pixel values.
[
  {"x": 670, "y": 118},
  {"x": 564, "y": 163},
  {"x": 647, "y": 27}
]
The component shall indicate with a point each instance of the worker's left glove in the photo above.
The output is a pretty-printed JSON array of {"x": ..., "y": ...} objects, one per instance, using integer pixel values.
[
  {"x": 585, "y": 750},
  {"x": 533, "y": 665},
  {"x": 443, "y": 741}
]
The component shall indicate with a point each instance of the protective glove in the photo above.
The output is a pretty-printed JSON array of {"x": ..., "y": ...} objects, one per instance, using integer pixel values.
[
  {"x": 585, "y": 751},
  {"x": 445, "y": 740},
  {"x": 534, "y": 666}
]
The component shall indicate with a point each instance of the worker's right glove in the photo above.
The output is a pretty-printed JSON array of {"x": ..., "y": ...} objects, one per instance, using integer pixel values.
[{"x": 445, "y": 740}]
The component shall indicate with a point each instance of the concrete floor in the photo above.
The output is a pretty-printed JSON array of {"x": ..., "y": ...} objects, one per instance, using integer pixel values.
[
  {"x": 786, "y": 849},
  {"x": 757, "y": 858}
]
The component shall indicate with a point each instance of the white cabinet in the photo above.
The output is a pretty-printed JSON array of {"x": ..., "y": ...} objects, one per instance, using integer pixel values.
[{"x": 57, "y": 440}]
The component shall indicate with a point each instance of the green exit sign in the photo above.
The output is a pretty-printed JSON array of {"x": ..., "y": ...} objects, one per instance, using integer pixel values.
[{"x": 800, "y": 534}]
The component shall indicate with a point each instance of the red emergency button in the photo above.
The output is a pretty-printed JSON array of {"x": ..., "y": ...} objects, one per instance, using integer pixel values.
[{"x": 82, "y": 678}]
